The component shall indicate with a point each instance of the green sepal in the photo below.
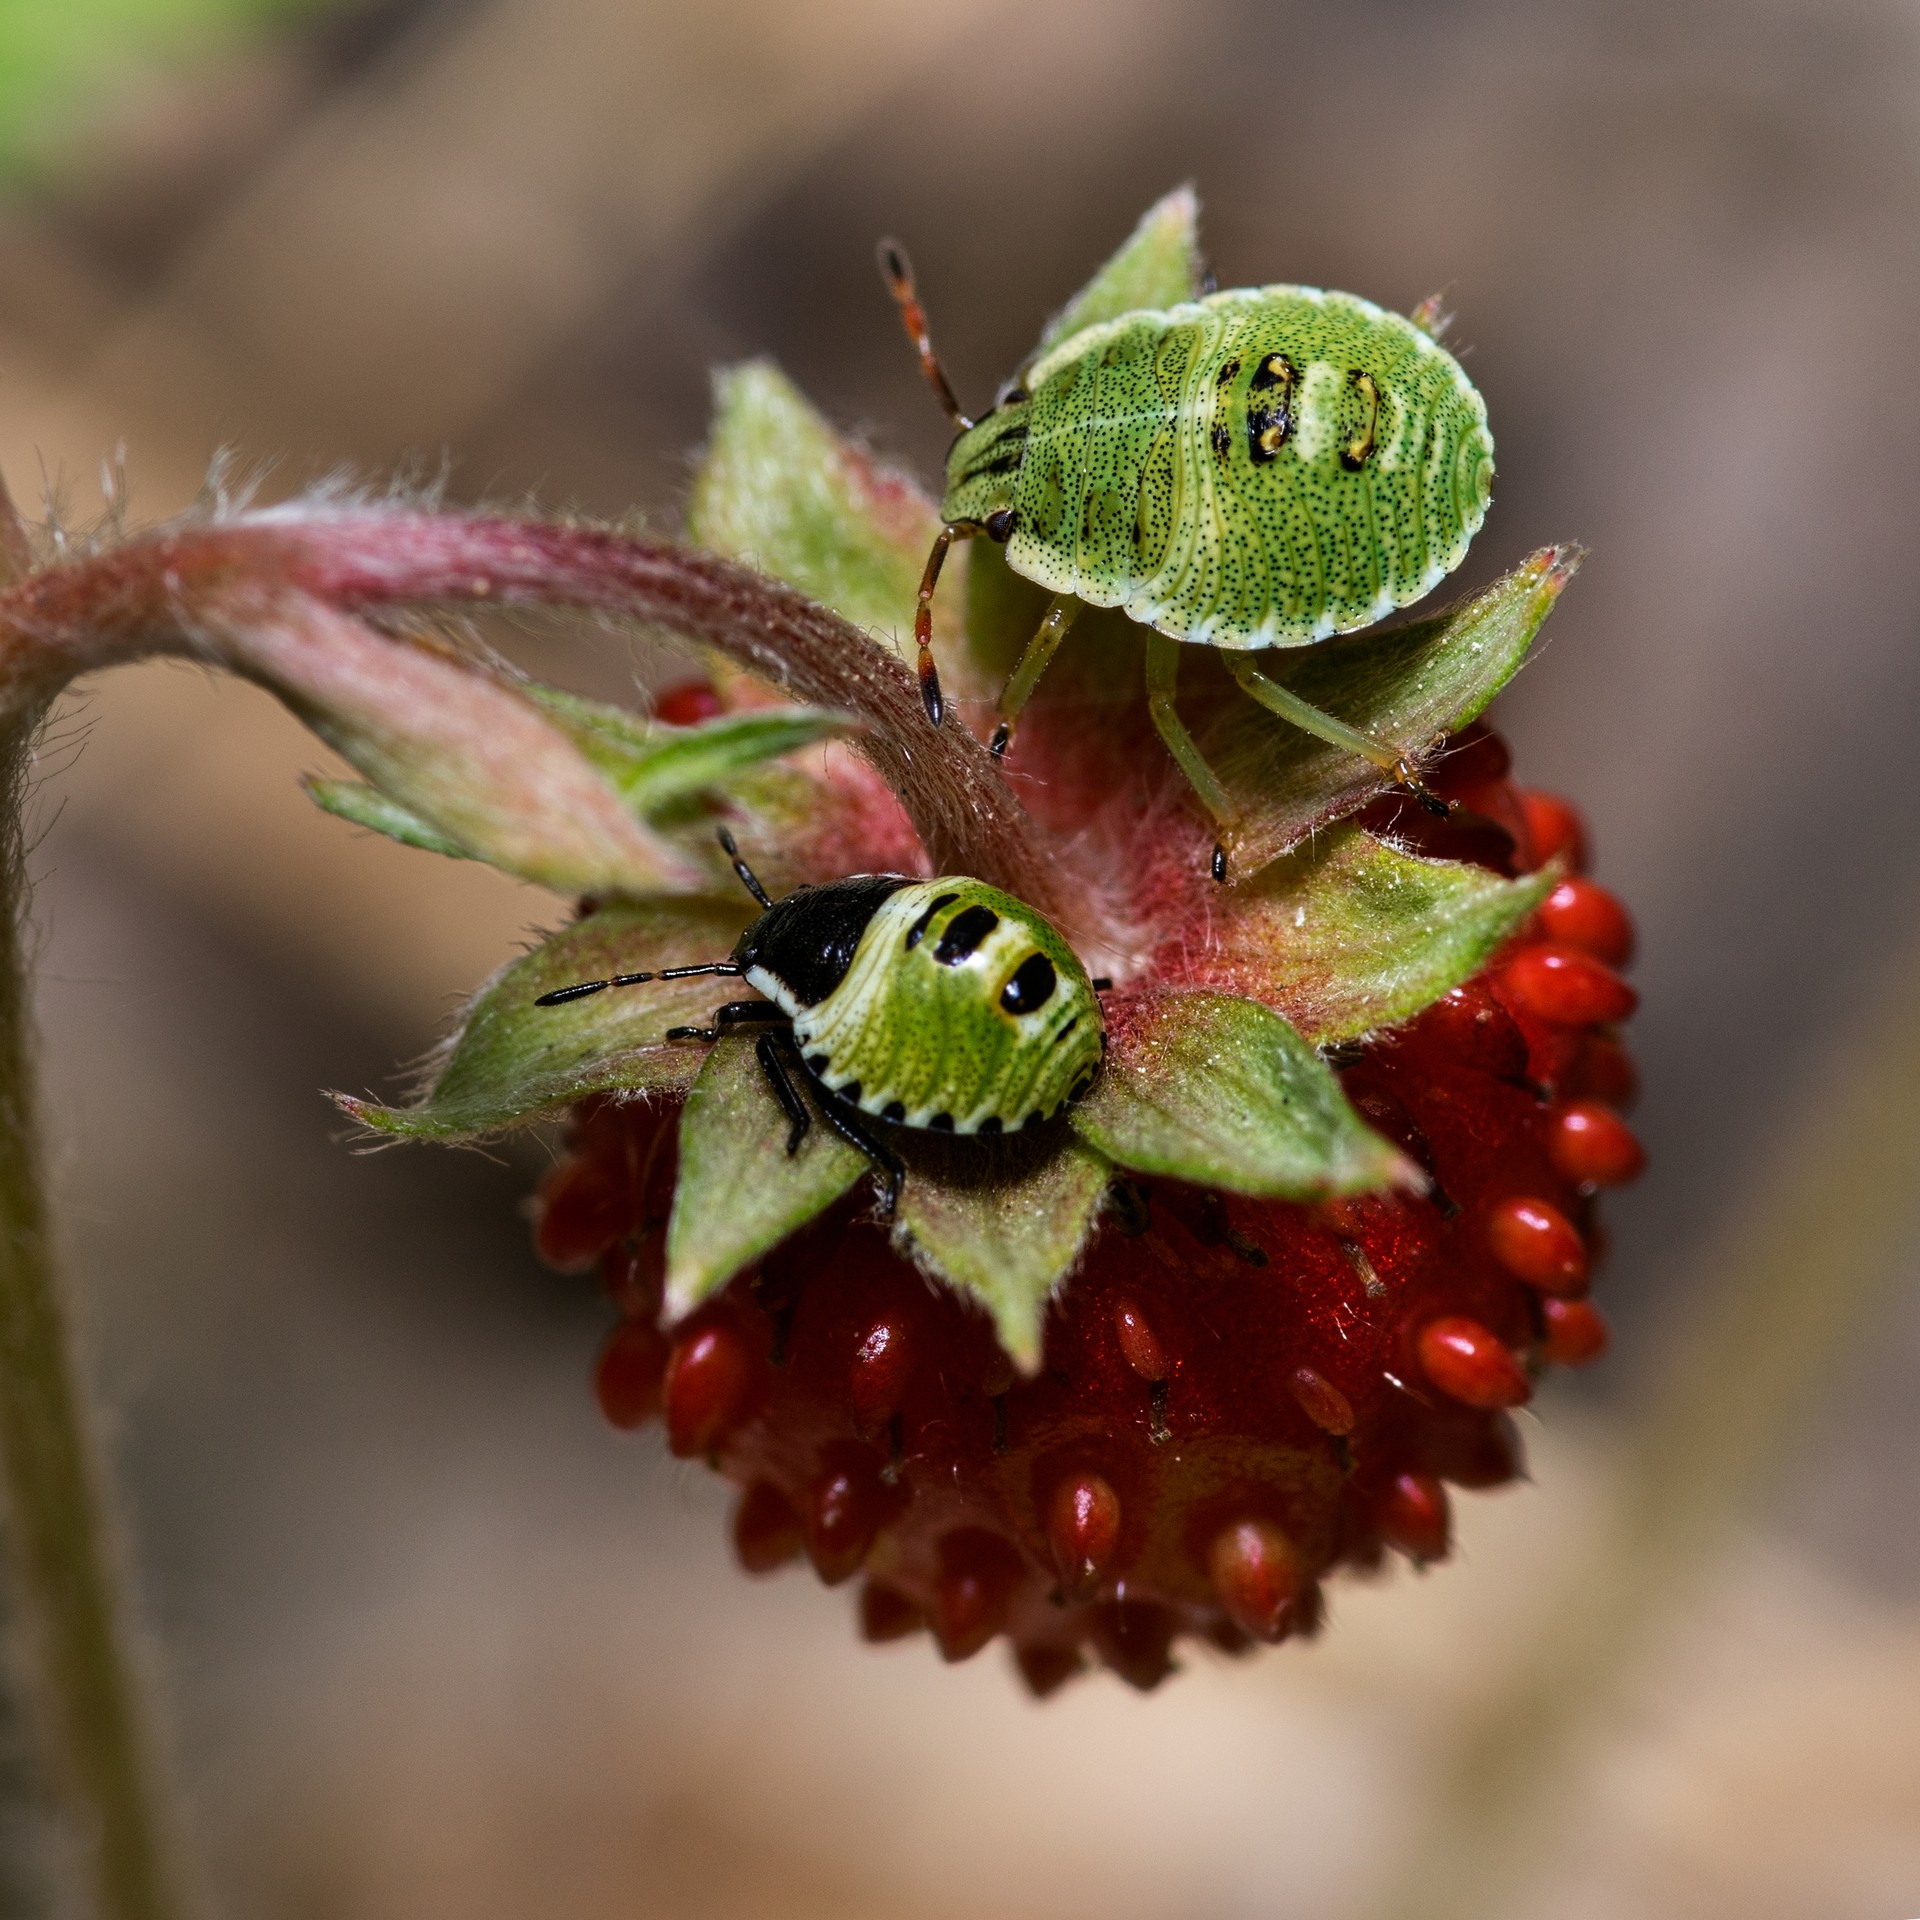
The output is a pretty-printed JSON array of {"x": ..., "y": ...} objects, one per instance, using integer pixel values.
[
  {"x": 1222, "y": 1092},
  {"x": 739, "y": 1193},
  {"x": 1158, "y": 265},
  {"x": 1347, "y": 934},
  {"x": 781, "y": 490},
  {"x": 1405, "y": 685},
  {"x": 1003, "y": 1224},
  {"x": 365, "y": 806},
  {"x": 657, "y": 772},
  {"x": 510, "y": 1062},
  {"x": 655, "y": 768}
]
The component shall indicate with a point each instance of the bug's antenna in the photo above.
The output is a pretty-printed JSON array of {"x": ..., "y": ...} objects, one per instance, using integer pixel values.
[
  {"x": 745, "y": 872},
  {"x": 897, "y": 271},
  {"x": 561, "y": 995}
]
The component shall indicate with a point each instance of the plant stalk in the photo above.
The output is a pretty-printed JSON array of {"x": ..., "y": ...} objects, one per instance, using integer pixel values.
[{"x": 61, "y": 1550}]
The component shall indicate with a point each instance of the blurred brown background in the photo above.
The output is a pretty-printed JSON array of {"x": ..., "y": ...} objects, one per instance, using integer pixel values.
[{"x": 437, "y": 1643}]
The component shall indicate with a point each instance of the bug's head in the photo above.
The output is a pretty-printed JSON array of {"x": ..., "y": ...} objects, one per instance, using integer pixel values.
[{"x": 983, "y": 465}]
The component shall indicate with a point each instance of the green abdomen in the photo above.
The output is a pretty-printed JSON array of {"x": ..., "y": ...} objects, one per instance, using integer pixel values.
[
  {"x": 918, "y": 1032},
  {"x": 1260, "y": 468}
]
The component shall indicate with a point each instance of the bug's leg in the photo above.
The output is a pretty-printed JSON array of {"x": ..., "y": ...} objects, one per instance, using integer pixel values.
[
  {"x": 740, "y": 1013},
  {"x": 1062, "y": 611},
  {"x": 1163, "y": 673},
  {"x": 850, "y": 1124},
  {"x": 930, "y": 695},
  {"x": 1323, "y": 726},
  {"x": 767, "y": 1051}
]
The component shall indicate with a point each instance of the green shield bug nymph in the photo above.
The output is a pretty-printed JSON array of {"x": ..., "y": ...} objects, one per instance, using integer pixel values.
[
  {"x": 942, "y": 1004},
  {"x": 1264, "y": 467}
]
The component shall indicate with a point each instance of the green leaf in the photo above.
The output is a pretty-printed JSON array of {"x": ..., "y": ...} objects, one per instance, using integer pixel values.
[
  {"x": 782, "y": 491},
  {"x": 1002, "y": 1222},
  {"x": 511, "y": 1062},
  {"x": 1223, "y": 1093},
  {"x": 1158, "y": 265},
  {"x": 1347, "y": 934},
  {"x": 1405, "y": 685},
  {"x": 368, "y": 807},
  {"x": 739, "y": 1192},
  {"x": 59, "y": 64},
  {"x": 654, "y": 767}
]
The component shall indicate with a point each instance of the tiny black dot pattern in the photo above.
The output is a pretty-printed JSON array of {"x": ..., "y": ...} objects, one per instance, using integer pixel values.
[{"x": 1264, "y": 467}]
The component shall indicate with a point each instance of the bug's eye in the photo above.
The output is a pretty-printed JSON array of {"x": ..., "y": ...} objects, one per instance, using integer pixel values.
[
  {"x": 1000, "y": 525},
  {"x": 1031, "y": 986}
]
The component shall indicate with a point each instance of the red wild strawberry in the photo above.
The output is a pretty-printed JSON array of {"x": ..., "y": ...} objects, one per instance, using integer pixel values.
[
  {"x": 1151, "y": 1373},
  {"x": 1237, "y": 1397}
]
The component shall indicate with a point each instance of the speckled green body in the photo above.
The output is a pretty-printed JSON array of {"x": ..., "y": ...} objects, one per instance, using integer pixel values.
[
  {"x": 1260, "y": 468},
  {"x": 923, "y": 1040}
]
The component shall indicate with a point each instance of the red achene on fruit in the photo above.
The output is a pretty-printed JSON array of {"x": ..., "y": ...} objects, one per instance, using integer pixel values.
[
  {"x": 1579, "y": 914},
  {"x": 1466, "y": 1360},
  {"x": 1555, "y": 829},
  {"x": 708, "y": 1378},
  {"x": 1590, "y": 1143},
  {"x": 1568, "y": 986},
  {"x": 1537, "y": 1243},
  {"x": 1083, "y": 1529},
  {"x": 1574, "y": 1332}
]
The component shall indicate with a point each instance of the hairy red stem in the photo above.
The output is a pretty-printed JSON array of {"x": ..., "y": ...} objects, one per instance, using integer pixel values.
[{"x": 152, "y": 595}]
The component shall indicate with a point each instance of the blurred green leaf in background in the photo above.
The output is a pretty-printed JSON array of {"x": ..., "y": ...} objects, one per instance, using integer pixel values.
[{"x": 60, "y": 59}]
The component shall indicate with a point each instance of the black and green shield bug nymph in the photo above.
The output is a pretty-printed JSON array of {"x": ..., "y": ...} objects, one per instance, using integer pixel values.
[
  {"x": 943, "y": 1004},
  {"x": 1259, "y": 468}
]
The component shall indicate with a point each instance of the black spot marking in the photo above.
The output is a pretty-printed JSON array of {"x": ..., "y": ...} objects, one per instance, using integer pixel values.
[
  {"x": 1014, "y": 396},
  {"x": 1031, "y": 986},
  {"x": 991, "y": 1124},
  {"x": 1225, "y": 376},
  {"x": 1270, "y": 420},
  {"x": 940, "y": 1123},
  {"x": 1222, "y": 439},
  {"x": 807, "y": 940},
  {"x": 1064, "y": 1031},
  {"x": 1355, "y": 454},
  {"x": 965, "y": 931},
  {"x": 918, "y": 931},
  {"x": 1276, "y": 370},
  {"x": 895, "y": 1110},
  {"x": 850, "y": 1093},
  {"x": 1007, "y": 463},
  {"x": 1081, "y": 1088},
  {"x": 818, "y": 1063}
]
